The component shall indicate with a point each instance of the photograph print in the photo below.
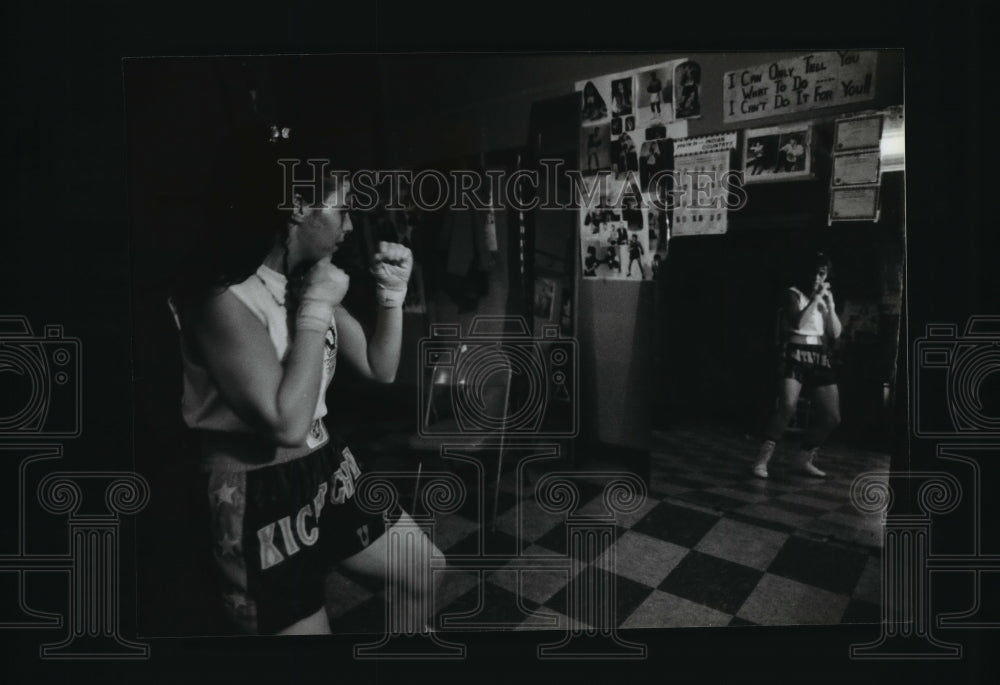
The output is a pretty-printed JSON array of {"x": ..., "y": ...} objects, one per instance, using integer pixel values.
[
  {"x": 655, "y": 90},
  {"x": 624, "y": 156},
  {"x": 631, "y": 207},
  {"x": 595, "y": 104},
  {"x": 621, "y": 97},
  {"x": 777, "y": 154},
  {"x": 652, "y": 159},
  {"x": 687, "y": 85},
  {"x": 595, "y": 148}
]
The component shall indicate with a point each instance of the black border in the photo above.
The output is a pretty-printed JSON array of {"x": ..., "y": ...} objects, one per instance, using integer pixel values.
[{"x": 65, "y": 258}]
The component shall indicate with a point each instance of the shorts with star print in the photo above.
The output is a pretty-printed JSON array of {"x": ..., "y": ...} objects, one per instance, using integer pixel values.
[{"x": 278, "y": 530}]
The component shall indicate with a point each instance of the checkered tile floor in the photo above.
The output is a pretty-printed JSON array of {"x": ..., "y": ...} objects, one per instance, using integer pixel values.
[{"x": 711, "y": 546}]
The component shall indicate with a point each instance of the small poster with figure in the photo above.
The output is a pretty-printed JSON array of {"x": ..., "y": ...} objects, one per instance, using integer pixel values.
[
  {"x": 777, "y": 153},
  {"x": 652, "y": 161},
  {"x": 621, "y": 97},
  {"x": 595, "y": 148},
  {"x": 614, "y": 241},
  {"x": 624, "y": 157},
  {"x": 687, "y": 90},
  {"x": 655, "y": 95},
  {"x": 595, "y": 101}
]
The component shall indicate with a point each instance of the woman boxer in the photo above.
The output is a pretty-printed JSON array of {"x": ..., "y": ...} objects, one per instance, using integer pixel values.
[
  {"x": 262, "y": 328},
  {"x": 810, "y": 326}
]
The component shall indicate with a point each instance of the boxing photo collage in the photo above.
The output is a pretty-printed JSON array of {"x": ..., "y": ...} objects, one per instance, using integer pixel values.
[{"x": 627, "y": 122}]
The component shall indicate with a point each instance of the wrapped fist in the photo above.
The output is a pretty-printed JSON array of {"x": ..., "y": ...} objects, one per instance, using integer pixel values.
[
  {"x": 828, "y": 297},
  {"x": 324, "y": 288},
  {"x": 391, "y": 268}
]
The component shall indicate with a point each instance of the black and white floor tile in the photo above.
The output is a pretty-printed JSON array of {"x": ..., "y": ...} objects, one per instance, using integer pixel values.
[{"x": 711, "y": 546}]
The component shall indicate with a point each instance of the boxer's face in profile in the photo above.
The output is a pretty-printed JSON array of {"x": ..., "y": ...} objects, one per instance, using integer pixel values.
[{"x": 322, "y": 229}]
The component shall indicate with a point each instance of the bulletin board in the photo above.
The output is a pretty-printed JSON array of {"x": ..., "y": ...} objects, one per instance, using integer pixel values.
[{"x": 627, "y": 122}]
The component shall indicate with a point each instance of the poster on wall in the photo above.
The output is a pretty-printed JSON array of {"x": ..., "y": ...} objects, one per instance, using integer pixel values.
[
  {"x": 621, "y": 96},
  {"x": 614, "y": 237},
  {"x": 595, "y": 148},
  {"x": 700, "y": 167},
  {"x": 642, "y": 100},
  {"x": 620, "y": 255},
  {"x": 687, "y": 90},
  {"x": 627, "y": 123},
  {"x": 635, "y": 98},
  {"x": 652, "y": 160},
  {"x": 656, "y": 92},
  {"x": 799, "y": 84},
  {"x": 777, "y": 153},
  {"x": 596, "y": 98},
  {"x": 624, "y": 157}
]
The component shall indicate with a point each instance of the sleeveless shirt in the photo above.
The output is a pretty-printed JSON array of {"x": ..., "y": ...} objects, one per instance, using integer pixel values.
[
  {"x": 202, "y": 406},
  {"x": 812, "y": 324}
]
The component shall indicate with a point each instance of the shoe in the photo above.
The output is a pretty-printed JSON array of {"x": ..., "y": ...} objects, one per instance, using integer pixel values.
[
  {"x": 806, "y": 463},
  {"x": 766, "y": 452}
]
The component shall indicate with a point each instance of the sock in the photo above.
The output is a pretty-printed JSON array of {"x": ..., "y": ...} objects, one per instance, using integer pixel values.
[{"x": 766, "y": 451}]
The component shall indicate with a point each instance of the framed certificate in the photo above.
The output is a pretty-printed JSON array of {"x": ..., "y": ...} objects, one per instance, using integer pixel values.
[
  {"x": 856, "y": 168},
  {"x": 854, "y": 204},
  {"x": 857, "y": 133}
]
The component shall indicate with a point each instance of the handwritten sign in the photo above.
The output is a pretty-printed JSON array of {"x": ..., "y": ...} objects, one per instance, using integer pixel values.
[{"x": 813, "y": 81}]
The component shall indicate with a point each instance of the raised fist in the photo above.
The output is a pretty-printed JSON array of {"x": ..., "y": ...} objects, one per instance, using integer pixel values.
[
  {"x": 323, "y": 288},
  {"x": 391, "y": 268},
  {"x": 326, "y": 283}
]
